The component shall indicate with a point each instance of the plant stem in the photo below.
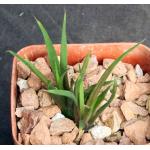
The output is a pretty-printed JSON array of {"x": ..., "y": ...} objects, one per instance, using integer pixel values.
[{"x": 81, "y": 131}]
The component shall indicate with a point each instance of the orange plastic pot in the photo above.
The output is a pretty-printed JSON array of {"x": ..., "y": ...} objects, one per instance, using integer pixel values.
[{"x": 76, "y": 52}]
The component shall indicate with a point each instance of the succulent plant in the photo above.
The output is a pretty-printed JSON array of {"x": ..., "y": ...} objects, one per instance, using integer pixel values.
[{"x": 81, "y": 105}]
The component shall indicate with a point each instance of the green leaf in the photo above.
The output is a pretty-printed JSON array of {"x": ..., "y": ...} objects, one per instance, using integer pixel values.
[
  {"x": 81, "y": 127},
  {"x": 63, "y": 93},
  {"x": 53, "y": 59},
  {"x": 90, "y": 89},
  {"x": 81, "y": 98},
  {"x": 96, "y": 103},
  {"x": 32, "y": 68},
  {"x": 84, "y": 66},
  {"x": 61, "y": 81},
  {"x": 103, "y": 107},
  {"x": 108, "y": 82},
  {"x": 57, "y": 75},
  {"x": 63, "y": 52},
  {"x": 99, "y": 99},
  {"x": 79, "y": 68},
  {"x": 81, "y": 75},
  {"x": 105, "y": 75}
]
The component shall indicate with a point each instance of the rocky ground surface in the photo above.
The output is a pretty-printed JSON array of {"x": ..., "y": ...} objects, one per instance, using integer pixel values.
[{"x": 125, "y": 122}]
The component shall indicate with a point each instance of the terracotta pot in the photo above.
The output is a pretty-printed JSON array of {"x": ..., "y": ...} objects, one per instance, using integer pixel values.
[{"x": 76, "y": 52}]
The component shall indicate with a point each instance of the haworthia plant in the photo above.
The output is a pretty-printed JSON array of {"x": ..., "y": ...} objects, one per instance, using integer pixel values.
[{"x": 77, "y": 103}]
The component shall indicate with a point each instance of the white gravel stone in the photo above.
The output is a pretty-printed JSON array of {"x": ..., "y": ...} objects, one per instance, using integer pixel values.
[
  {"x": 58, "y": 116},
  {"x": 19, "y": 125},
  {"x": 138, "y": 70},
  {"x": 22, "y": 84},
  {"x": 100, "y": 132}
]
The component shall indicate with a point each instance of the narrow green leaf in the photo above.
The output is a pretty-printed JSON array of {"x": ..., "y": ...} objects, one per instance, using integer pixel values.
[
  {"x": 76, "y": 89},
  {"x": 102, "y": 108},
  {"x": 81, "y": 127},
  {"x": 63, "y": 52},
  {"x": 108, "y": 82},
  {"x": 81, "y": 98},
  {"x": 99, "y": 99},
  {"x": 53, "y": 59},
  {"x": 96, "y": 103},
  {"x": 105, "y": 75},
  {"x": 57, "y": 77},
  {"x": 63, "y": 93},
  {"x": 79, "y": 67},
  {"x": 81, "y": 75},
  {"x": 84, "y": 66},
  {"x": 90, "y": 89},
  {"x": 61, "y": 81},
  {"x": 32, "y": 68}
]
